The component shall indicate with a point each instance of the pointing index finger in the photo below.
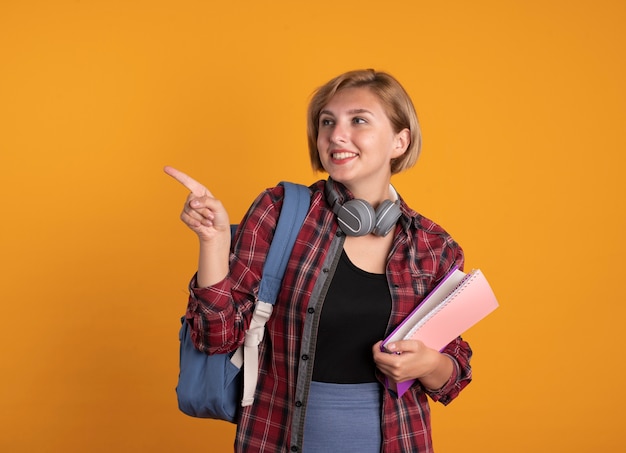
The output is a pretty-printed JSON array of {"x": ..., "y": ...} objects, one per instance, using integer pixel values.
[{"x": 194, "y": 186}]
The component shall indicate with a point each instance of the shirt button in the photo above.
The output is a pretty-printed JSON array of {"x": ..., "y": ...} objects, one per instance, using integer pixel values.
[
  {"x": 305, "y": 357},
  {"x": 298, "y": 403},
  {"x": 325, "y": 270},
  {"x": 294, "y": 448},
  {"x": 311, "y": 310}
]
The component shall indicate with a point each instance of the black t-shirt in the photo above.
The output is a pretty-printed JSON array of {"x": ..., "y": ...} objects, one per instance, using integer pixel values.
[{"x": 354, "y": 317}]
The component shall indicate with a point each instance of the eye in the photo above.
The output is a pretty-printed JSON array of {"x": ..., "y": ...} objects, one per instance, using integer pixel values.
[
  {"x": 326, "y": 122},
  {"x": 358, "y": 120}
]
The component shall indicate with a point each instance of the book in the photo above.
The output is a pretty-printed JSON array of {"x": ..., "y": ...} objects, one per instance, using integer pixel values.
[{"x": 457, "y": 303}]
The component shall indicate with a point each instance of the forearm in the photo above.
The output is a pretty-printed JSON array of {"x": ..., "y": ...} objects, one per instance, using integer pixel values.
[
  {"x": 212, "y": 262},
  {"x": 460, "y": 354}
]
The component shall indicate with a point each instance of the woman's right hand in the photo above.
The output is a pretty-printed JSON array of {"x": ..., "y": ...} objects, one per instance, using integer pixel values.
[
  {"x": 206, "y": 217},
  {"x": 203, "y": 213}
]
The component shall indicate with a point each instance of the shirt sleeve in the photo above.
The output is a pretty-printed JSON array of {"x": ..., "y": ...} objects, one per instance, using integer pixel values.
[{"x": 219, "y": 315}]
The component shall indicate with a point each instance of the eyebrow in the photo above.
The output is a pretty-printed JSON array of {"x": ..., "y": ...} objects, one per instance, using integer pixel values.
[{"x": 350, "y": 112}]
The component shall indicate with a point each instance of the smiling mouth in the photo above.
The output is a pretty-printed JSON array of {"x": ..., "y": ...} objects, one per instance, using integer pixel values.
[{"x": 342, "y": 155}]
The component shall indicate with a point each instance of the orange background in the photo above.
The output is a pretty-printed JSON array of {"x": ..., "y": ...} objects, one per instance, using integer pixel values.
[{"x": 523, "y": 109}]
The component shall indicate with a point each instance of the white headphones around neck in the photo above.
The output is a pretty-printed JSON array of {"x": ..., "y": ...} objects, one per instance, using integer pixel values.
[{"x": 357, "y": 217}]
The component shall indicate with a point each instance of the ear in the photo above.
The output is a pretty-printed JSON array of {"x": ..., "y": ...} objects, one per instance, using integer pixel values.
[{"x": 402, "y": 142}]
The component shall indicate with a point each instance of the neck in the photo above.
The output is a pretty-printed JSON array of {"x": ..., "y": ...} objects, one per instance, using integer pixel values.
[{"x": 375, "y": 195}]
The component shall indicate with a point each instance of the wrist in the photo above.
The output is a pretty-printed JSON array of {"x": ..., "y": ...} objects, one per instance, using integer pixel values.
[
  {"x": 214, "y": 243},
  {"x": 440, "y": 374}
]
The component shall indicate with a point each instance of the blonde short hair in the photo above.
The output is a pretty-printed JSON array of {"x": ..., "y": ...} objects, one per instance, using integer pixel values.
[{"x": 394, "y": 99}]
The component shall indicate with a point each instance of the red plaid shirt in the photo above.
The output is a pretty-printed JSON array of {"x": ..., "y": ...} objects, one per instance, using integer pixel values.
[{"x": 422, "y": 254}]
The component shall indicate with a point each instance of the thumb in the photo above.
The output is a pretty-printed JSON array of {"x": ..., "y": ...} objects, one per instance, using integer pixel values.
[{"x": 401, "y": 346}]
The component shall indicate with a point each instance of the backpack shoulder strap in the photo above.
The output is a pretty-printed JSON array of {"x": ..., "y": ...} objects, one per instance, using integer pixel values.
[
  {"x": 295, "y": 207},
  {"x": 296, "y": 204}
]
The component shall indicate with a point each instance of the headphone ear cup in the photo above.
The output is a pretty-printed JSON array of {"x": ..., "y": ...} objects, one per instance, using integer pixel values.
[
  {"x": 387, "y": 216},
  {"x": 356, "y": 217}
]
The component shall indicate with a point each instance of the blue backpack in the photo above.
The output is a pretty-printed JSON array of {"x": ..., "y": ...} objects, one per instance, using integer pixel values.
[{"x": 210, "y": 386}]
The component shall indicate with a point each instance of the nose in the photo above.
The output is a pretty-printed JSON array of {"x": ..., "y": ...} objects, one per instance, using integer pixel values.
[{"x": 339, "y": 134}]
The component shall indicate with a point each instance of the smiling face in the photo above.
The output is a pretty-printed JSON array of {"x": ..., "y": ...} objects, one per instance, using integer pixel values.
[
  {"x": 392, "y": 96},
  {"x": 356, "y": 141}
]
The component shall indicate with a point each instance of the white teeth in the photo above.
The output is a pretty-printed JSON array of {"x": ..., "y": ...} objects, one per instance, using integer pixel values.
[{"x": 343, "y": 155}]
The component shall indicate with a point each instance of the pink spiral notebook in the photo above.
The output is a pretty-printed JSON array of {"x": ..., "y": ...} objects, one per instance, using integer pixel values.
[{"x": 458, "y": 302}]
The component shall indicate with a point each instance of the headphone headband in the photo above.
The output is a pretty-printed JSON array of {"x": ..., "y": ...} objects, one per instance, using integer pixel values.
[{"x": 358, "y": 218}]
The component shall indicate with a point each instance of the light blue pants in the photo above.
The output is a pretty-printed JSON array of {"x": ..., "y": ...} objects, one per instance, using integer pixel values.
[{"x": 343, "y": 418}]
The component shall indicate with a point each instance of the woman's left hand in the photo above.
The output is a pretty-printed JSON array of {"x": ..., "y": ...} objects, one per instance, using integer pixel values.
[{"x": 412, "y": 359}]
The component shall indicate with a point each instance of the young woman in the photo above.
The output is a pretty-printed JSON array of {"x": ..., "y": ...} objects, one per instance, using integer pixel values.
[{"x": 362, "y": 262}]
